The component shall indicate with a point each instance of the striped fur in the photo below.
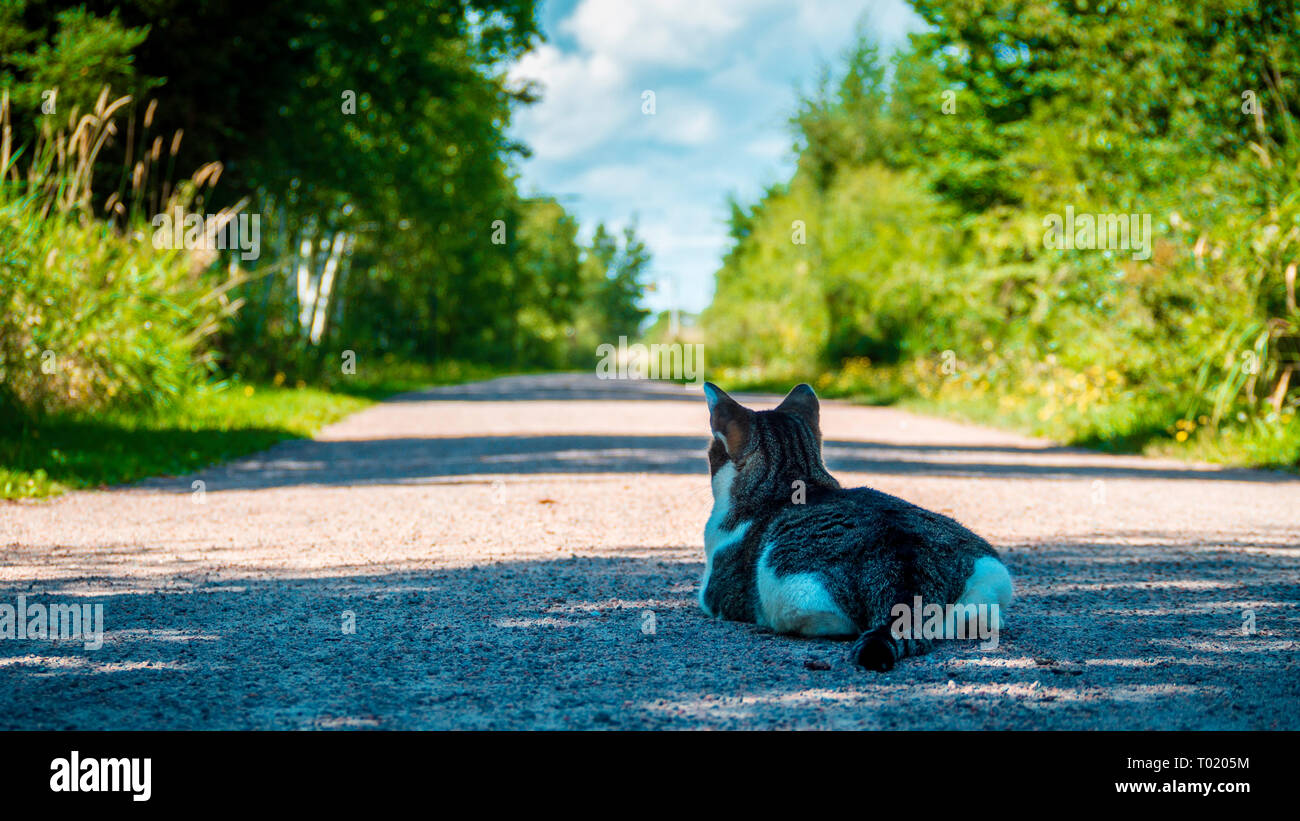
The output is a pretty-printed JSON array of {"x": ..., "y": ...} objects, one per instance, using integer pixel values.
[{"x": 837, "y": 562}]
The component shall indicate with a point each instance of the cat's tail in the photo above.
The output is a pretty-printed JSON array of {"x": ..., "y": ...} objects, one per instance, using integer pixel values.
[{"x": 880, "y": 649}]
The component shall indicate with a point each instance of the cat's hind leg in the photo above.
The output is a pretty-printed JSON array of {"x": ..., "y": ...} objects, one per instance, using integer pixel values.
[
  {"x": 799, "y": 604},
  {"x": 989, "y": 584}
]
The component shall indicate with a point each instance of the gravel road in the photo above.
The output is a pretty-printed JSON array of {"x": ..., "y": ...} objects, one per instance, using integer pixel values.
[{"x": 525, "y": 553}]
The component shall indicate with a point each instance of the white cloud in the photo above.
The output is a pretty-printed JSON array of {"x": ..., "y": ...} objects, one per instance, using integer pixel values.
[
  {"x": 770, "y": 147},
  {"x": 679, "y": 119},
  {"x": 676, "y": 33},
  {"x": 615, "y": 180},
  {"x": 828, "y": 22},
  {"x": 583, "y": 101}
]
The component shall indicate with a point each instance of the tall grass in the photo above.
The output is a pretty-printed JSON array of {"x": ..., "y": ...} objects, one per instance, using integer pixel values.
[
  {"x": 1253, "y": 369},
  {"x": 93, "y": 314}
]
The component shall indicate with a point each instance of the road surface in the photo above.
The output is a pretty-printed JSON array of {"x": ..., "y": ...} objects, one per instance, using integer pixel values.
[{"x": 525, "y": 553}]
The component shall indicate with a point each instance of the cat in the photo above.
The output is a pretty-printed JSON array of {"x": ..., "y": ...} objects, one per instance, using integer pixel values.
[{"x": 815, "y": 559}]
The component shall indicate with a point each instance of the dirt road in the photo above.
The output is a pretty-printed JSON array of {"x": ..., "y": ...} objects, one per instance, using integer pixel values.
[{"x": 525, "y": 553}]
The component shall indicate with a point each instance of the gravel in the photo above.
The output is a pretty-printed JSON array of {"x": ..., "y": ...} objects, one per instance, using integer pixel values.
[{"x": 524, "y": 553}]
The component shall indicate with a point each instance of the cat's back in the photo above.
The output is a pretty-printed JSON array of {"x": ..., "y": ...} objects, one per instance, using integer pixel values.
[{"x": 860, "y": 524}]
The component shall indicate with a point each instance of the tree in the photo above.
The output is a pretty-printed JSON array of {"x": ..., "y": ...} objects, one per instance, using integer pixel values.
[{"x": 614, "y": 286}]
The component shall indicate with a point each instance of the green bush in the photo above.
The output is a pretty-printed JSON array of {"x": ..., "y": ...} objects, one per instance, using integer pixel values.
[
  {"x": 93, "y": 315},
  {"x": 924, "y": 272}
]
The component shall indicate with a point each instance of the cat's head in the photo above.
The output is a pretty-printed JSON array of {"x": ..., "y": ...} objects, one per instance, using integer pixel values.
[{"x": 769, "y": 450}]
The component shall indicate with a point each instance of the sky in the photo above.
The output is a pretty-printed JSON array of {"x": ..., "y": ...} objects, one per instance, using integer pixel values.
[{"x": 725, "y": 76}]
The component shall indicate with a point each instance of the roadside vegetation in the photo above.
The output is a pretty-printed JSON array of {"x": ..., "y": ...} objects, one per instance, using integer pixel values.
[
  {"x": 77, "y": 448},
  {"x": 908, "y": 259},
  {"x": 357, "y": 228}
]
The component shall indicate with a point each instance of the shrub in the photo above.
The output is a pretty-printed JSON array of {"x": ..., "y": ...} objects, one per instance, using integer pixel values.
[{"x": 91, "y": 313}]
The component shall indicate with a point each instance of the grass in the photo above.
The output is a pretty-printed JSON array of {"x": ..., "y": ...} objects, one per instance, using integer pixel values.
[
  {"x": 1139, "y": 427},
  {"x": 1257, "y": 444},
  {"x": 69, "y": 451}
]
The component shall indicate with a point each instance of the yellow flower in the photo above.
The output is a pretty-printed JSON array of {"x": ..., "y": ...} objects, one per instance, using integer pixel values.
[
  {"x": 279, "y": 379},
  {"x": 1181, "y": 436},
  {"x": 248, "y": 390}
]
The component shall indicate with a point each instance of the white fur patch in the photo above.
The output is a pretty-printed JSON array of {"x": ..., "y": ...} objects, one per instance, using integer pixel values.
[
  {"x": 716, "y": 537},
  {"x": 798, "y": 603},
  {"x": 989, "y": 583}
]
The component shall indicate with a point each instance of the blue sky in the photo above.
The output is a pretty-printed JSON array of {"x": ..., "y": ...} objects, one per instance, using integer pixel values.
[{"x": 725, "y": 74}]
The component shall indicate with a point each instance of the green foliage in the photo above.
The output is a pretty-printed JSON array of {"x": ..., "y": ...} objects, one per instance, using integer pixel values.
[
  {"x": 545, "y": 283},
  {"x": 372, "y": 146},
  {"x": 925, "y": 272},
  {"x": 612, "y": 285},
  {"x": 45, "y": 50},
  {"x": 371, "y": 140},
  {"x": 91, "y": 315}
]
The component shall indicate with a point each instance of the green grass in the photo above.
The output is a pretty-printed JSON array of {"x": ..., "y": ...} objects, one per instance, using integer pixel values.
[
  {"x": 392, "y": 375},
  {"x": 72, "y": 451},
  {"x": 1263, "y": 445},
  {"x": 1138, "y": 426},
  {"x": 80, "y": 450}
]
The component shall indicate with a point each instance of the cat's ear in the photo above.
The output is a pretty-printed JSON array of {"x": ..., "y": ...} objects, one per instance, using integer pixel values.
[
  {"x": 731, "y": 422},
  {"x": 802, "y": 402}
]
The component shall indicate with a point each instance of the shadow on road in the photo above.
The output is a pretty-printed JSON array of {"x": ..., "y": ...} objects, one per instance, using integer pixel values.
[
  {"x": 564, "y": 644},
  {"x": 415, "y": 460},
  {"x": 562, "y": 387}
]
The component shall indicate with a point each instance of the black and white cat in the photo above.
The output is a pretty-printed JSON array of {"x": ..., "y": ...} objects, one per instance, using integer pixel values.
[{"x": 814, "y": 559}]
